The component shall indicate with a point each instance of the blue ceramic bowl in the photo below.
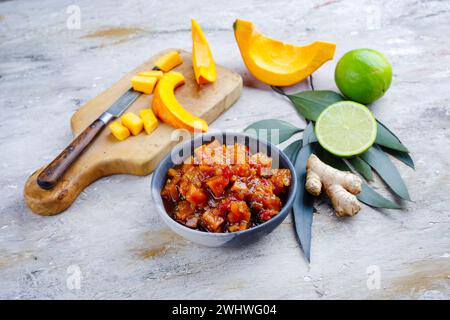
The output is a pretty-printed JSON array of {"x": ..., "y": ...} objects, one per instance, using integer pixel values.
[{"x": 222, "y": 239}]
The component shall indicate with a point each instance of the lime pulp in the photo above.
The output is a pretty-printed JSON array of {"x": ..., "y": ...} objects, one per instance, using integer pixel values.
[{"x": 346, "y": 129}]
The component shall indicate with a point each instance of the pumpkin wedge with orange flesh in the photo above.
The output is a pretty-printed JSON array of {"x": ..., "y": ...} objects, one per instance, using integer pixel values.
[
  {"x": 276, "y": 63},
  {"x": 169, "y": 110},
  {"x": 202, "y": 60}
]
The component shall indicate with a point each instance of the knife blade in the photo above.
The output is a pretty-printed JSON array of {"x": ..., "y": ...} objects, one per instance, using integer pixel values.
[
  {"x": 119, "y": 106},
  {"x": 51, "y": 174}
]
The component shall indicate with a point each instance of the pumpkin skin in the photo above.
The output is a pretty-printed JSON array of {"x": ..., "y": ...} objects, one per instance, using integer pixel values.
[
  {"x": 276, "y": 63},
  {"x": 202, "y": 59},
  {"x": 169, "y": 110}
]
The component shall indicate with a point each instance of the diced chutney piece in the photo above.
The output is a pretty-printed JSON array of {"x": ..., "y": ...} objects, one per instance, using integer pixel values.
[
  {"x": 172, "y": 172},
  {"x": 192, "y": 222},
  {"x": 243, "y": 225},
  {"x": 239, "y": 211},
  {"x": 217, "y": 185},
  {"x": 281, "y": 179},
  {"x": 260, "y": 159},
  {"x": 206, "y": 170},
  {"x": 238, "y": 154},
  {"x": 272, "y": 202},
  {"x": 205, "y": 153},
  {"x": 241, "y": 170},
  {"x": 196, "y": 196},
  {"x": 240, "y": 189},
  {"x": 170, "y": 190},
  {"x": 211, "y": 220},
  {"x": 238, "y": 216},
  {"x": 183, "y": 211},
  {"x": 267, "y": 214}
]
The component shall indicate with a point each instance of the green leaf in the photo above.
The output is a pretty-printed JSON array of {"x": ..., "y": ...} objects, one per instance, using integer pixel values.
[
  {"x": 309, "y": 135},
  {"x": 374, "y": 199},
  {"x": 402, "y": 156},
  {"x": 311, "y": 103},
  {"x": 303, "y": 203},
  {"x": 272, "y": 130},
  {"x": 381, "y": 163},
  {"x": 331, "y": 159},
  {"x": 361, "y": 167},
  {"x": 387, "y": 138},
  {"x": 292, "y": 150}
]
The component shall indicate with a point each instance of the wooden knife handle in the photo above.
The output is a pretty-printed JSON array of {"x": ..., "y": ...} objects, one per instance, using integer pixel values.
[{"x": 48, "y": 178}]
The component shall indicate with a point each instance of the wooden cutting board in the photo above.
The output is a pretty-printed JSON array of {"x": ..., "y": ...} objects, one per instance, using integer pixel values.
[{"x": 137, "y": 155}]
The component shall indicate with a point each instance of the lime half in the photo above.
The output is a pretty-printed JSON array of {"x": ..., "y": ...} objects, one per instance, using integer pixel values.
[{"x": 346, "y": 128}]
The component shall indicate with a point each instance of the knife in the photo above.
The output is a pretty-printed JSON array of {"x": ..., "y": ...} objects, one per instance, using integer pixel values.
[{"x": 48, "y": 178}]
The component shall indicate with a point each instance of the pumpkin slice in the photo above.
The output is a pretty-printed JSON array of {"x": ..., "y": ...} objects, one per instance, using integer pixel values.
[
  {"x": 276, "y": 63},
  {"x": 169, "y": 61},
  {"x": 169, "y": 110},
  {"x": 202, "y": 60},
  {"x": 143, "y": 84}
]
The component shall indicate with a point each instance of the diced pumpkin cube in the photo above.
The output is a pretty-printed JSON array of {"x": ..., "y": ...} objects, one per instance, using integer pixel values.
[
  {"x": 151, "y": 73},
  {"x": 149, "y": 118},
  {"x": 133, "y": 123},
  {"x": 169, "y": 61},
  {"x": 119, "y": 131},
  {"x": 143, "y": 84}
]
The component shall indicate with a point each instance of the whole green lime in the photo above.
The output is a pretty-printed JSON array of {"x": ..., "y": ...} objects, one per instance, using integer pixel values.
[{"x": 363, "y": 75}]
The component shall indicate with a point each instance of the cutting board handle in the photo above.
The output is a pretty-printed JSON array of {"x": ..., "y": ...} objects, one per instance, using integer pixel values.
[{"x": 49, "y": 177}]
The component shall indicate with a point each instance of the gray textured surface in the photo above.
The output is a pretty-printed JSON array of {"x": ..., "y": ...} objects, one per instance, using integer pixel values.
[{"x": 112, "y": 234}]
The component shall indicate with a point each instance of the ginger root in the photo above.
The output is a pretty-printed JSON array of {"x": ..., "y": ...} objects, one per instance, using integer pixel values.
[{"x": 340, "y": 186}]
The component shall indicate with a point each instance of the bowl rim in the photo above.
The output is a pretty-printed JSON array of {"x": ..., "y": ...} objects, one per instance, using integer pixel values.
[{"x": 288, "y": 204}]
